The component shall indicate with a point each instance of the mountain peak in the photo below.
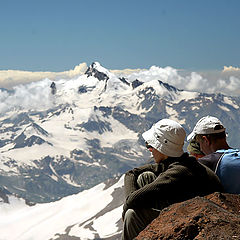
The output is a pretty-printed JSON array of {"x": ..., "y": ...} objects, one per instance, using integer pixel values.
[
  {"x": 97, "y": 71},
  {"x": 168, "y": 86}
]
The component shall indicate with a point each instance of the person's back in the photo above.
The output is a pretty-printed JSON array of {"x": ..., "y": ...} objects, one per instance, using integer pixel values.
[
  {"x": 209, "y": 132},
  {"x": 228, "y": 170}
]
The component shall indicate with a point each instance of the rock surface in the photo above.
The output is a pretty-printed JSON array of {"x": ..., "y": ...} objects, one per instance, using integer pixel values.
[{"x": 216, "y": 216}]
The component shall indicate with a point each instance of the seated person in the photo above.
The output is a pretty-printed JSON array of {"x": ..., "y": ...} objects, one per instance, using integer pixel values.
[
  {"x": 174, "y": 177},
  {"x": 210, "y": 133}
]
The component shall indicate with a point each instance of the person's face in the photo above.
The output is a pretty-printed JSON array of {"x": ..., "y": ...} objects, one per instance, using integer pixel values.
[
  {"x": 204, "y": 144},
  {"x": 158, "y": 157}
]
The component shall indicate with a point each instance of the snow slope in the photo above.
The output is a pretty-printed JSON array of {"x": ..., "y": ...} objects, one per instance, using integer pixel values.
[{"x": 82, "y": 213}]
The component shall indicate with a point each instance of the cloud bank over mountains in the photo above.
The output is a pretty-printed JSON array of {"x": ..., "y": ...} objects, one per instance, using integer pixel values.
[
  {"x": 11, "y": 78},
  {"x": 231, "y": 69},
  {"x": 32, "y": 89},
  {"x": 225, "y": 82}
]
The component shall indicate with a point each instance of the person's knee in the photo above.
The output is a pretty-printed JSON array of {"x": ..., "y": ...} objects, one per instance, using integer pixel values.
[
  {"x": 130, "y": 226},
  {"x": 136, "y": 220},
  {"x": 129, "y": 215},
  {"x": 146, "y": 178}
]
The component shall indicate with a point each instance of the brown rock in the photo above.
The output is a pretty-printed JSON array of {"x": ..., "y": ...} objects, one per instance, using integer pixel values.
[{"x": 216, "y": 216}]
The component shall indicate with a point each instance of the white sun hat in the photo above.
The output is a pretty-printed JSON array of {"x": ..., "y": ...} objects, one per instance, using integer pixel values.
[
  {"x": 206, "y": 125},
  {"x": 167, "y": 136}
]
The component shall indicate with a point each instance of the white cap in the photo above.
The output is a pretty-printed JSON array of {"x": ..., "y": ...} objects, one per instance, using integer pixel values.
[
  {"x": 206, "y": 125},
  {"x": 167, "y": 136}
]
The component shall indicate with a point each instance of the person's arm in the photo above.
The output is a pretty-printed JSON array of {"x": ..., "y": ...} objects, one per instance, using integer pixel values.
[
  {"x": 130, "y": 179},
  {"x": 159, "y": 190}
]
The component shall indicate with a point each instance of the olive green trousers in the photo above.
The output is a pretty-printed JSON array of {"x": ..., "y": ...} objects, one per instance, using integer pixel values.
[{"x": 135, "y": 220}]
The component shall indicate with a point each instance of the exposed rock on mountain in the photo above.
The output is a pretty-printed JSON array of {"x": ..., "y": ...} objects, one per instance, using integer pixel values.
[
  {"x": 168, "y": 87},
  {"x": 4, "y": 195},
  {"x": 53, "y": 88},
  {"x": 216, "y": 216},
  {"x": 124, "y": 80},
  {"x": 95, "y": 70},
  {"x": 136, "y": 83}
]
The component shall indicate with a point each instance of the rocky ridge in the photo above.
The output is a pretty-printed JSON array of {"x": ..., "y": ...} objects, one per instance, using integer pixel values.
[{"x": 216, "y": 216}]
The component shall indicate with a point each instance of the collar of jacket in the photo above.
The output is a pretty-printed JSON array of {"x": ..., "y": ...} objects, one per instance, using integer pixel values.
[{"x": 165, "y": 163}]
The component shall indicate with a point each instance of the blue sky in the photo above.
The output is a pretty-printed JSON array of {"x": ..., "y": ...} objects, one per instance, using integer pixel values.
[{"x": 56, "y": 35}]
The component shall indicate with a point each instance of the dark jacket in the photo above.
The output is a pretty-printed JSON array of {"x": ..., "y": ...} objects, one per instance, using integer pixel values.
[
  {"x": 178, "y": 179},
  {"x": 211, "y": 160}
]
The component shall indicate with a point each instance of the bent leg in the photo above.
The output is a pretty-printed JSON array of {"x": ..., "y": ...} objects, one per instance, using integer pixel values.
[
  {"x": 145, "y": 178},
  {"x": 136, "y": 220}
]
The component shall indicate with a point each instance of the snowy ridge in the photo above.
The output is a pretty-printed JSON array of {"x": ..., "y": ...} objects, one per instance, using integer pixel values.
[{"x": 77, "y": 215}]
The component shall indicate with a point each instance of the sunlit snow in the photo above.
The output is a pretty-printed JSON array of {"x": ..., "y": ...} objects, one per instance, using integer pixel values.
[{"x": 42, "y": 221}]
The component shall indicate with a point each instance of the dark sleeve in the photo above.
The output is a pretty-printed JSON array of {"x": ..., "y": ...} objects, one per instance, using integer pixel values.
[
  {"x": 165, "y": 184},
  {"x": 210, "y": 160},
  {"x": 130, "y": 179},
  {"x": 213, "y": 183}
]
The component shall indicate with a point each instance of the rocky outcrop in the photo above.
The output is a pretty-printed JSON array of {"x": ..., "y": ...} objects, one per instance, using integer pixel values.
[
  {"x": 216, "y": 216},
  {"x": 3, "y": 195},
  {"x": 93, "y": 70},
  {"x": 53, "y": 88}
]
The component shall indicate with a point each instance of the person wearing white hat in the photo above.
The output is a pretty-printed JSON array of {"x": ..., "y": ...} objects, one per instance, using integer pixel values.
[
  {"x": 210, "y": 134},
  {"x": 174, "y": 177}
]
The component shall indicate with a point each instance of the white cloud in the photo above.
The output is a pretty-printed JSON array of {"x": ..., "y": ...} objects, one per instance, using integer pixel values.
[
  {"x": 10, "y": 78},
  {"x": 126, "y": 72},
  {"x": 230, "y": 69},
  {"x": 225, "y": 84},
  {"x": 195, "y": 82},
  {"x": 231, "y": 85},
  {"x": 32, "y": 95},
  {"x": 209, "y": 82},
  {"x": 167, "y": 74}
]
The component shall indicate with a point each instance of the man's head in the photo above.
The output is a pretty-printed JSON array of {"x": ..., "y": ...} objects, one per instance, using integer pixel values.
[
  {"x": 209, "y": 132},
  {"x": 166, "y": 139}
]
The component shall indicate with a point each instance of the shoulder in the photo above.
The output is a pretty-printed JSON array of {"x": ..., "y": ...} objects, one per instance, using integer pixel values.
[
  {"x": 230, "y": 156},
  {"x": 181, "y": 165},
  {"x": 211, "y": 157},
  {"x": 211, "y": 160},
  {"x": 189, "y": 165},
  {"x": 228, "y": 151},
  {"x": 185, "y": 160}
]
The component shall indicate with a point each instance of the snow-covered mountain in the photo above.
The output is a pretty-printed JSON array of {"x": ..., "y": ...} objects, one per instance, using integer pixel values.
[
  {"x": 91, "y": 214},
  {"x": 58, "y": 143}
]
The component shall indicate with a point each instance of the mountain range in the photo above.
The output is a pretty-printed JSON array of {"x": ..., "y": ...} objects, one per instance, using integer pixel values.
[{"x": 86, "y": 131}]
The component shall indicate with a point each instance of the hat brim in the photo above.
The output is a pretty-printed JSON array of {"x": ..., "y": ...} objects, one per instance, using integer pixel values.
[{"x": 148, "y": 136}]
